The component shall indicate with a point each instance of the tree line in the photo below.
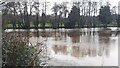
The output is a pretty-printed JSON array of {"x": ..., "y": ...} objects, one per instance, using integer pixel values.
[{"x": 82, "y": 14}]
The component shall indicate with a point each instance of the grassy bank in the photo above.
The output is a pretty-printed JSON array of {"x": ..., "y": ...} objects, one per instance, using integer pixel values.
[{"x": 48, "y": 25}]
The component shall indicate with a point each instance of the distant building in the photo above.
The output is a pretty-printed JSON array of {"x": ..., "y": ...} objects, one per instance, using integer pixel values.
[{"x": 119, "y": 7}]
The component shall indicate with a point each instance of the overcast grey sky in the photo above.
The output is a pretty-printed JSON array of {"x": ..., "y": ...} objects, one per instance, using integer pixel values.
[{"x": 112, "y": 2}]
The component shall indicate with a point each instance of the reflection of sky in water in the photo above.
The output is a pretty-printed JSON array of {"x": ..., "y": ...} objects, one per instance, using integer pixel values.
[
  {"x": 101, "y": 47},
  {"x": 83, "y": 47}
]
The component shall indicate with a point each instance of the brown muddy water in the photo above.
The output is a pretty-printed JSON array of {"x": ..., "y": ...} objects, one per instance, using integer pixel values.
[{"x": 76, "y": 47}]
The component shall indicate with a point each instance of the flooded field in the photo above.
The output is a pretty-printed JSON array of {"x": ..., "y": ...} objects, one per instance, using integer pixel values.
[{"x": 75, "y": 47}]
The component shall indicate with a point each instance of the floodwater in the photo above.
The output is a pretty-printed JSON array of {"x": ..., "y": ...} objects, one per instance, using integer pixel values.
[{"x": 77, "y": 47}]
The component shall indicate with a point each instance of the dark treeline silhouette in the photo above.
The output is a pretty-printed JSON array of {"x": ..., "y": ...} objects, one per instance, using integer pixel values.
[
  {"x": 105, "y": 15},
  {"x": 118, "y": 21},
  {"x": 28, "y": 15},
  {"x": 74, "y": 16}
]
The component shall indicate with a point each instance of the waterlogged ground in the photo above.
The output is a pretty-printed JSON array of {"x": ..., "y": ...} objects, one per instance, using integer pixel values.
[{"x": 77, "y": 47}]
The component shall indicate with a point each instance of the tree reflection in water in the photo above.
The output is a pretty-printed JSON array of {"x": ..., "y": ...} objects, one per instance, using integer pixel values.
[
  {"x": 60, "y": 49},
  {"x": 77, "y": 43},
  {"x": 74, "y": 35},
  {"x": 104, "y": 41},
  {"x": 92, "y": 44}
]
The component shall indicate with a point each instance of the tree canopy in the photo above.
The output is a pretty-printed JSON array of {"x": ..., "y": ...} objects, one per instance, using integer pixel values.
[
  {"x": 74, "y": 17},
  {"x": 118, "y": 21},
  {"x": 105, "y": 15}
]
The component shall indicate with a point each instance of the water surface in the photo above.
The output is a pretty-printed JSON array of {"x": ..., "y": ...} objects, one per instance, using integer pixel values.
[{"x": 76, "y": 47}]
